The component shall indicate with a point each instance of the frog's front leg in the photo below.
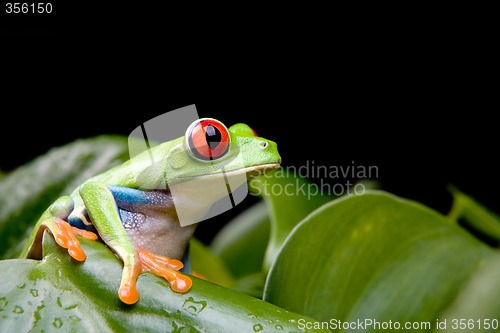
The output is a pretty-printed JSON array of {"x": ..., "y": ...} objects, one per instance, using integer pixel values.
[
  {"x": 55, "y": 220},
  {"x": 103, "y": 212}
]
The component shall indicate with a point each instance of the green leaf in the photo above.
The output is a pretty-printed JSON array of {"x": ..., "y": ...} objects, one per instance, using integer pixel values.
[
  {"x": 289, "y": 199},
  {"x": 211, "y": 267},
  {"x": 475, "y": 215},
  {"x": 374, "y": 256},
  {"x": 26, "y": 192},
  {"x": 478, "y": 303},
  {"x": 242, "y": 242},
  {"x": 251, "y": 284},
  {"x": 58, "y": 293}
]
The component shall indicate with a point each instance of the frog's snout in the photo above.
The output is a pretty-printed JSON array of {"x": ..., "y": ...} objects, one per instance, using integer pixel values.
[{"x": 270, "y": 150}]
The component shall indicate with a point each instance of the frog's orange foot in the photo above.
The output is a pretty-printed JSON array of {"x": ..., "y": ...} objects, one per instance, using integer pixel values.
[
  {"x": 166, "y": 268},
  {"x": 65, "y": 236}
]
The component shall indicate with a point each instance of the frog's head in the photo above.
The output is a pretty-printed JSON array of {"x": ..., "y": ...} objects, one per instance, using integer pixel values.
[
  {"x": 207, "y": 164},
  {"x": 209, "y": 148}
]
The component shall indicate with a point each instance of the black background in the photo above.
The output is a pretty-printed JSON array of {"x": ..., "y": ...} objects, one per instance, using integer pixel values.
[{"x": 418, "y": 105}]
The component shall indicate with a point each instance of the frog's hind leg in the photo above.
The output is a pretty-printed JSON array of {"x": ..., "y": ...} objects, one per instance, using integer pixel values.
[{"x": 55, "y": 220}]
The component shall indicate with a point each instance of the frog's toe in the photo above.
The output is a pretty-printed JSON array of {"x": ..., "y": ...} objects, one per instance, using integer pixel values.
[
  {"x": 84, "y": 233},
  {"x": 175, "y": 264},
  {"x": 180, "y": 283},
  {"x": 166, "y": 268},
  {"x": 152, "y": 258},
  {"x": 65, "y": 237},
  {"x": 128, "y": 294}
]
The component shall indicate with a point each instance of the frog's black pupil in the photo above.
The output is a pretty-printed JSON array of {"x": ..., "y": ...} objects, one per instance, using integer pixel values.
[{"x": 213, "y": 136}]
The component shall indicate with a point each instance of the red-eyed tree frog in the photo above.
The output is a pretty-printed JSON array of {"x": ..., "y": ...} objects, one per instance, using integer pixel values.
[{"x": 130, "y": 206}]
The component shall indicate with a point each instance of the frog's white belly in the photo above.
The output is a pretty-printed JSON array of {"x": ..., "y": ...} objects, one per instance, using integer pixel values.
[{"x": 155, "y": 227}]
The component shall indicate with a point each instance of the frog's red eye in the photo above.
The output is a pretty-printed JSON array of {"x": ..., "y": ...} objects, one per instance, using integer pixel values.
[{"x": 208, "y": 139}]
